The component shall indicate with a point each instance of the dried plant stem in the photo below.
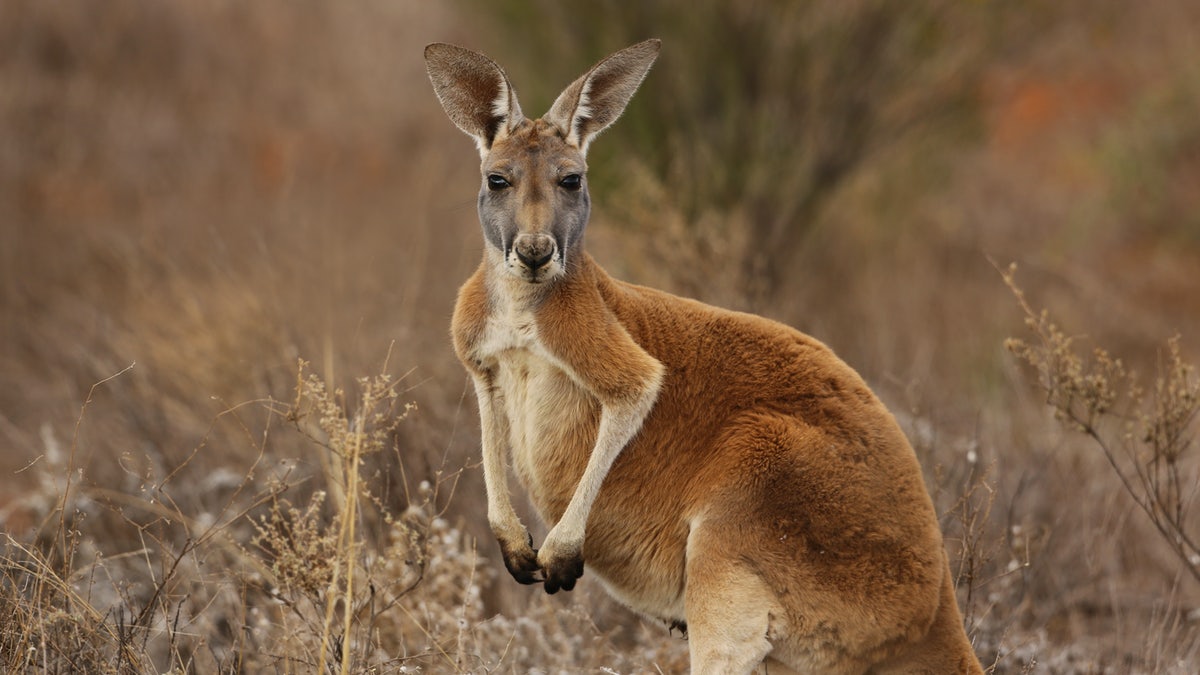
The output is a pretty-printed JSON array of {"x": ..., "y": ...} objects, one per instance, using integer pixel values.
[
  {"x": 349, "y": 516},
  {"x": 1144, "y": 440},
  {"x": 64, "y": 498},
  {"x": 346, "y": 544}
]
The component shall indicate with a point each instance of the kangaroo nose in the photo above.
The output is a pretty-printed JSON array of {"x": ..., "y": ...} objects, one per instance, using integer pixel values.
[{"x": 534, "y": 250}]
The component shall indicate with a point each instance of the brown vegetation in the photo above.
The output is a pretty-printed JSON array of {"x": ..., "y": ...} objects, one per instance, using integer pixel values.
[{"x": 195, "y": 195}]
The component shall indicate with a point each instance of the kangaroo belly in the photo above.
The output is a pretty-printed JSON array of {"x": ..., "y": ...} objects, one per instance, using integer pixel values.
[
  {"x": 637, "y": 555},
  {"x": 552, "y": 426}
]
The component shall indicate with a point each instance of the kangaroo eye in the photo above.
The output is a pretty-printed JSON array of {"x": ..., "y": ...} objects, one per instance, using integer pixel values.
[
  {"x": 497, "y": 182},
  {"x": 572, "y": 181}
]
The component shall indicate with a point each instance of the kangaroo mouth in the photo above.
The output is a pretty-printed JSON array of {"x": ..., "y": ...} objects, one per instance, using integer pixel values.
[
  {"x": 535, "y": 254},
  {"x": 540, "y": 275}
]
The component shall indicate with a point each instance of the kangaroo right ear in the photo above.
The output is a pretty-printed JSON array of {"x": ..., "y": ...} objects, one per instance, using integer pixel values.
[
  {"x": 474, "y": 91},
  {"x": 597, "y": 99}
]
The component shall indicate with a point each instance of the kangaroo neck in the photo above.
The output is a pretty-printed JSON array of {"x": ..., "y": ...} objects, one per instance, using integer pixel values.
[{"x": 511, "y": 292}]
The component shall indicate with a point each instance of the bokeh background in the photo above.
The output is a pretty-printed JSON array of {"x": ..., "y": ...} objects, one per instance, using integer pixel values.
[{"x": 210, "y": 190}]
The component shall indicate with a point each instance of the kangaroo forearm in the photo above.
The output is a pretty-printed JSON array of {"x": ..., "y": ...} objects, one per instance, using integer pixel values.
[
  {"x": 493, "y": 436},
  {"x": 618, "y": 425}
]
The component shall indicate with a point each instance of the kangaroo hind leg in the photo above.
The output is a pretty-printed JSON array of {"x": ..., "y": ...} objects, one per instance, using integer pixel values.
[
  {"x": 738, "y": 622},
  {"x": 729, "y": 609},
  {"x": 944, "y": 649}
]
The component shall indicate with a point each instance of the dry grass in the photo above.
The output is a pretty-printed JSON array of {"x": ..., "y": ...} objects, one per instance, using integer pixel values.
[
  {"x": 213, "y": 190},
  {"x": 1145, "y": 434},
  {"x": 335, "y": 582}
]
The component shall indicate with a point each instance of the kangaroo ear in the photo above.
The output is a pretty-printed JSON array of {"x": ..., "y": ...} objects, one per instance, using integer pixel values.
[
  {"x": 597, "y": 99},
  {"x": 474, "y": 91}
]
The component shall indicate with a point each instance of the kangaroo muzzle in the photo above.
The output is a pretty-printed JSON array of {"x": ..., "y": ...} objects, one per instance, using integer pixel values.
[{"x": 534, "y": 251}]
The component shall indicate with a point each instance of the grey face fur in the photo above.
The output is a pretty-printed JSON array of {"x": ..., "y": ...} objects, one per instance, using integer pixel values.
[{"x": 533, "y": 201}]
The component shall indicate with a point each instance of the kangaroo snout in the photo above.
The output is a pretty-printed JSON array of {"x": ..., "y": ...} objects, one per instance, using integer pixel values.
[{"x": 534, "y": 250}]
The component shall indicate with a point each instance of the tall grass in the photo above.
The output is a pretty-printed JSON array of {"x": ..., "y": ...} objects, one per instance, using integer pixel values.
[{"x": 296, "y": 574}]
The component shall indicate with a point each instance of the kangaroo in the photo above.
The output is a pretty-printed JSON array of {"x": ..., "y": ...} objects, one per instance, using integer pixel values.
[{"x": 717, "y": 471}]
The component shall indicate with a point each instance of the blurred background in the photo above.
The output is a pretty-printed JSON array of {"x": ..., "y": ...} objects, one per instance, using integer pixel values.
[{"x": 213, "y": 189}]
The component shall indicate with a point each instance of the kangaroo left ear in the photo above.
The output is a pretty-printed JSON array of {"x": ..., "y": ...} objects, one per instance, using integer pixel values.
[
  {"x": 474, "y": 91},
  {"x": 598, "y": 98}
]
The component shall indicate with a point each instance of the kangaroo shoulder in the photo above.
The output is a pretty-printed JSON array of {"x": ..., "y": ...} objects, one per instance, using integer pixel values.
[
  {"x": 580, "y": 325},
  {"x": 468, "y": 328}
]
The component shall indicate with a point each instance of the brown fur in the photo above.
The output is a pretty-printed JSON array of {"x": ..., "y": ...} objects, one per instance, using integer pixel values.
[{"x": 734, "y": 475}]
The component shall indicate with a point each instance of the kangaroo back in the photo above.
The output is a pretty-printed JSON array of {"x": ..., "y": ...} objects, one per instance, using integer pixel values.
[{"x": 716, "y": 470}]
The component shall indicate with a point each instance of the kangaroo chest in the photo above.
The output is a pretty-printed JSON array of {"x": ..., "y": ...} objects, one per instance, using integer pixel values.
[{"x": 551, "y": 420}]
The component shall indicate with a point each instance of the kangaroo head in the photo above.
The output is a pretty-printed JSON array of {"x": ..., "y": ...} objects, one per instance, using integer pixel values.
[{"x": 533, "y": 201}]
